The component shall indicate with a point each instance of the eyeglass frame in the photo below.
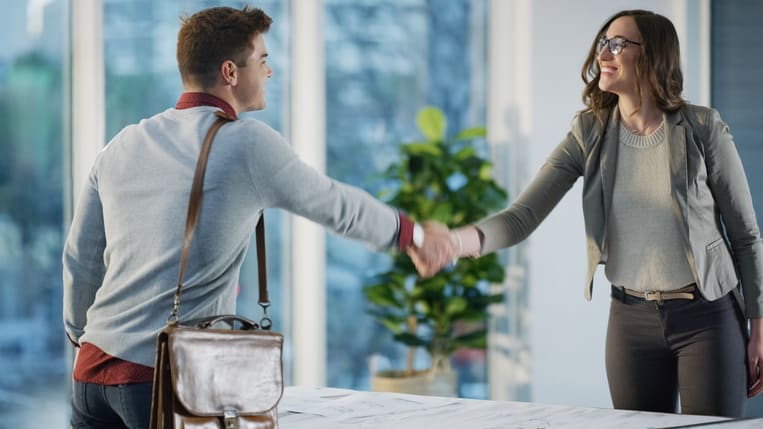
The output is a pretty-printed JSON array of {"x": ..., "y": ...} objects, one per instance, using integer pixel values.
[{"x": 603, "y": 41}]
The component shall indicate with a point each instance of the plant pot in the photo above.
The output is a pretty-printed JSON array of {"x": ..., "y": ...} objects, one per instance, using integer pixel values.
[{"x": 426, "y": 382}]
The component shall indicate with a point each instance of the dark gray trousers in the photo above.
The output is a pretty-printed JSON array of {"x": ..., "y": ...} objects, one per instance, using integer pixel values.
[{"x": 694, "y": 350}]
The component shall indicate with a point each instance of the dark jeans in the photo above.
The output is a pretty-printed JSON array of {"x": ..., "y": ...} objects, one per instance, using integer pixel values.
[
  {"x": 692, "y": 349},
  {"x": 95, "y": 406}
]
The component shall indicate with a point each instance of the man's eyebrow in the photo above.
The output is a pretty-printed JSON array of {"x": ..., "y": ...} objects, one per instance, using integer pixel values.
[{"x": 264, "y": 55}]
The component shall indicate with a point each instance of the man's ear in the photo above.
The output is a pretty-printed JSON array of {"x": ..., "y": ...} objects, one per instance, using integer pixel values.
[{"x": 229, "y": 72}]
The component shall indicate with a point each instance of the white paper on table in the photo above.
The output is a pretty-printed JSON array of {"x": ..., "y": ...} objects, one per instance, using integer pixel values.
[
  {"x": 319, "y": 408},
  {"x": 348, "y": 405}
]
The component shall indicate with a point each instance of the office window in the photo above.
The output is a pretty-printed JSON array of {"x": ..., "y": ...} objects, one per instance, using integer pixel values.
[
  {"x": 33, "y": 128},
  {"x": 384, "y": 61}
]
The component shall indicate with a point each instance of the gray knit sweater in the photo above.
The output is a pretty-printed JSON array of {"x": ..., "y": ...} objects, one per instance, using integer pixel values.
[
  {"x": 122, "y": 254},
  {"x": 645, "y": 250}
]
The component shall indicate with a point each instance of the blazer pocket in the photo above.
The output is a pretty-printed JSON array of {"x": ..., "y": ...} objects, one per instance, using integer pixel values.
[{"x": 720, "y": 265}]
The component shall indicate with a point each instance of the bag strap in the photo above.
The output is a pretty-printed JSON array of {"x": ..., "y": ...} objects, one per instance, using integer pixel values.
[
  {"x": 192, "y": 220},
  {"x": 264, "y": 300}
]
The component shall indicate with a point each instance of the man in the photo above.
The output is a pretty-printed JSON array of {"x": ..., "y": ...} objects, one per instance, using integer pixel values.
[{"x": 122, "y": 254}]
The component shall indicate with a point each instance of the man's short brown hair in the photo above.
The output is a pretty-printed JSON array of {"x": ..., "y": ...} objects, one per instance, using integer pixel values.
[{"x": 212, "y": 36}]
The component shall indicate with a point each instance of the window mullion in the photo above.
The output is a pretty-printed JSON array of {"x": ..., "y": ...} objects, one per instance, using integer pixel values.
[{"x": 308, "y": 137}]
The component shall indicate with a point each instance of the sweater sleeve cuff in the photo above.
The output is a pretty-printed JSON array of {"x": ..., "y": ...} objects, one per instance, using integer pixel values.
[
  {"x": 405, "y": 232},
  {"x": 468, "y": 241}
]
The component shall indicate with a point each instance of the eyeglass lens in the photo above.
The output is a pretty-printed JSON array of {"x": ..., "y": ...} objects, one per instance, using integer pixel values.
[{"x": 615, "y": 45}]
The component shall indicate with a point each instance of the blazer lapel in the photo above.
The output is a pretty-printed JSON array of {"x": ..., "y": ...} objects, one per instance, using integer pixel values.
[
  {"x": 608, "y": 164},
  {"x": 676, "y": 140}
]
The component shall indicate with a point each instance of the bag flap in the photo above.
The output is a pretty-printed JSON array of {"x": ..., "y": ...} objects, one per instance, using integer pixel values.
[{"x": 214, "y": 370}]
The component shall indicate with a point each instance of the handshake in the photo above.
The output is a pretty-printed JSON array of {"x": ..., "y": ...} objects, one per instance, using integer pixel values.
[{"x": 442, "y": 247}]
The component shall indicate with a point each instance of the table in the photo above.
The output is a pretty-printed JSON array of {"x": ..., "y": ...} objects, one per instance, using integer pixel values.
[{"x": 323, "y": 408}]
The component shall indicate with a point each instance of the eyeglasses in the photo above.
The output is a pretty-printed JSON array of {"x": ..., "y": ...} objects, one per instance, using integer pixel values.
[{"x": 615, "y": 44}]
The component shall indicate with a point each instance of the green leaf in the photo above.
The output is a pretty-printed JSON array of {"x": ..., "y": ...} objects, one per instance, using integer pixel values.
[
  {"x": 423, "y": 149},
  {"x": 432, "y": 123},
  {"x": 472, "y": 340},
  {"x": 471, "y": 133},
  {"x": 442, "y": 213},
  {"x": 410, "y": 340},
  {"x": 455, "y": 305},
  {"x": 406, "y": 187},
  {"x": 465, "y": 153},
  {"x": 423, "y": 306},
  {"x": 478, "y": 314},
  {"x": 495, "y": 298},
  {"x": 495, "y": 273},
  {"x": 486, "y": 172},
  {"x": 381, "y": 295},
  {"x": 393, "y": 326}
]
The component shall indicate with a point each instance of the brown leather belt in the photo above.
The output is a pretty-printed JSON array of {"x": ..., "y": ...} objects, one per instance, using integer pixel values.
[{"x": 688, "y": 292}]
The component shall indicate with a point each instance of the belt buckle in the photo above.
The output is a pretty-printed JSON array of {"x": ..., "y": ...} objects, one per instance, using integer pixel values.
[{"x": 653, "y": 296}]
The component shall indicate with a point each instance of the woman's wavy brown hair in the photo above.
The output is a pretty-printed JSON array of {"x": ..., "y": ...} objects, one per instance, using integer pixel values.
[{"x": 659, "y": 63}]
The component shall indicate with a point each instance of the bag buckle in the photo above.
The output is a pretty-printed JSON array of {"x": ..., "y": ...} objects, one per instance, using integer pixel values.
[
  {"x": 265, "y": 322},
  {"x": 230, "y": 419}
]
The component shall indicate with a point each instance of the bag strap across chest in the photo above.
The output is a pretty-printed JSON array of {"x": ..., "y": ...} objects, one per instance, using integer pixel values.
[{"x": 192, "y": 219}]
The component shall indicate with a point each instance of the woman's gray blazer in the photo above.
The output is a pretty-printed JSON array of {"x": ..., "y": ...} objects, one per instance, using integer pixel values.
[{"x": 710, "y": 195}]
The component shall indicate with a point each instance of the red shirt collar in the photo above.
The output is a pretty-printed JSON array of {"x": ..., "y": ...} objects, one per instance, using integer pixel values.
[{"x": 196, "y": 99}]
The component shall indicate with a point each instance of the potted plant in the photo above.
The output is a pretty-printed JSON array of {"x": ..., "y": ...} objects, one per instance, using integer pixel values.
[{"x": 444, "y": 179}]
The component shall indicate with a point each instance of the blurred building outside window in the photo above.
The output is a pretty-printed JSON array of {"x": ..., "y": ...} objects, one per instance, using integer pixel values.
[{"x": 33, "y": 143}]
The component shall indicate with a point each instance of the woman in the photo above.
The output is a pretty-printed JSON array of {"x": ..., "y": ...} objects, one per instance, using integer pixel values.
[{"x": 668, "y": 211}]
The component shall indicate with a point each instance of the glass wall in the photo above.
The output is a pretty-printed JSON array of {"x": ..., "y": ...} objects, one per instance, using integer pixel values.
[
  {"x": 736, "y": 89},
  {"x": 142, "y": 79},
  {"x": 737, "y": 65},
  {"x": 385, "y": 60},
  {"x": 33, "y": 142}
]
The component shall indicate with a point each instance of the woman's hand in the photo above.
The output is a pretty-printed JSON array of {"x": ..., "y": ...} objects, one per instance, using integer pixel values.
[{"x": 755, "y": 358}]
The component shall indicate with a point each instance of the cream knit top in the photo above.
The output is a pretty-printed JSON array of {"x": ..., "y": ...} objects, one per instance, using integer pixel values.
[{"x": 645, "y": 249}]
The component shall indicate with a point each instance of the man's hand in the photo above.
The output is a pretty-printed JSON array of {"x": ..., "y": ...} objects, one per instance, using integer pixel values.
[{"x": 436, "y": 252}]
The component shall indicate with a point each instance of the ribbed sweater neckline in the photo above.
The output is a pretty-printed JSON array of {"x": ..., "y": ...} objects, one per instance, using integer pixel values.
[{"x": 629, "y": 138}]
